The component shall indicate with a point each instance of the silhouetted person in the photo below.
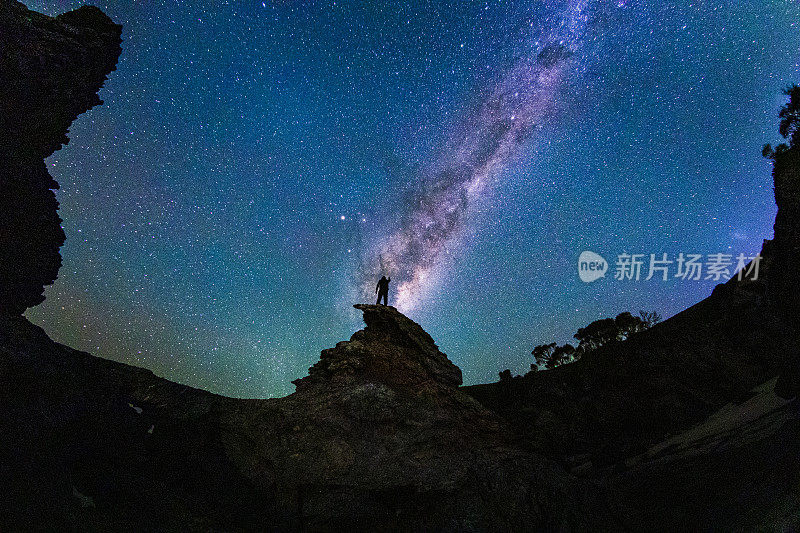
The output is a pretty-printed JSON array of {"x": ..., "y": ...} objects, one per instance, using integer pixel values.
[{"x": 382, "y": 288}]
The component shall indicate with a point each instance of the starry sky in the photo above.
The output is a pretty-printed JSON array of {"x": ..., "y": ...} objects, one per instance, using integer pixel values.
[{"x": 257, "y": 165}]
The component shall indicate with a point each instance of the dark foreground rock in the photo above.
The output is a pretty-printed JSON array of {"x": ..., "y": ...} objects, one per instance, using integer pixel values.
[
  {"x": 737, "y": 470},
  {"x": 90, "y": 444}
]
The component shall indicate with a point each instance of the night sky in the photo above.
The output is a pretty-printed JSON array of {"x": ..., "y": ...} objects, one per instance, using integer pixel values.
[{"x": 257, "y": 165}]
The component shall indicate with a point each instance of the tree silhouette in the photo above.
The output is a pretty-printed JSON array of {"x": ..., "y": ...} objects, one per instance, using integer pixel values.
[
  {"x": 789, "y": 125},
  {"x": 562, "y": 355},
  {"x": 542, "y": 354},
  {"x": 597, "y": 334},
  {"x": 650, "y": 318}
]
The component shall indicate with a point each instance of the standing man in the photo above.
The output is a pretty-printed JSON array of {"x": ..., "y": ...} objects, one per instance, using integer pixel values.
[{"x": 382, "y": 288}]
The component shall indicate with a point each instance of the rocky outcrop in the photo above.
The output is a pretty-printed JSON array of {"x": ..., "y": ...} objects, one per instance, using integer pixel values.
[
  {"x": 350, "y": 451},
  {"x": 379, "y": 436},
  {"x": 784, "y": 249},
  {"x": 50, "y": 72},
  {"x": 392, "y": 349}
]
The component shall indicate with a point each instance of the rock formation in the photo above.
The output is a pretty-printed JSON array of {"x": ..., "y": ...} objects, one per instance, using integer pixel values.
[
  {"x": 784, "y": 249},
  {"x": 50, "y": 72},
  {"x": 378, "y": 437},
  {"x": 392, "y": 349}
]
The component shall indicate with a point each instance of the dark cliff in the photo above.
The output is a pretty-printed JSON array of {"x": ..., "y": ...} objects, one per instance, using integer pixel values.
[
  {"x": 784, "y": 250},
  {"x": 50, "y": 72}
]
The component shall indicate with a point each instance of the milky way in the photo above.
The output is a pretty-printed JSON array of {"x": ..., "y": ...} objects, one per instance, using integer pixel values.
[
  {"x": 524, "y": 98},
  {"x": 215, "y": 204}
]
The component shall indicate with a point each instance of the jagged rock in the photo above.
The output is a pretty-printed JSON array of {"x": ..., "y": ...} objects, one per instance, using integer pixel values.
[
  {"x": 50, "y": 72},
  {"x": 383, "y": 410},
  {"x": 392, "y": 349}
]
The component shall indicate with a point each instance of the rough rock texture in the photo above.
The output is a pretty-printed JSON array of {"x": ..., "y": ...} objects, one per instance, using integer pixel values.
[
  {"x": 784, "y": 254},
  {"x": 391, "y": 349},
  {"x": 90, "y": 444},
  {"x": 50, "y": 72},
  {"x": 784, "y": 249}
]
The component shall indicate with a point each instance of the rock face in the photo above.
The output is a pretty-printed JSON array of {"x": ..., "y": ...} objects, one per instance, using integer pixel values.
[
  {"x": 379, "y": 436},
  {"x": 50, "y": 72},
  {"x": 392, "y": 349},
  {"x": 781, "y": 288},
  {"x": 784, "y": 249}
]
